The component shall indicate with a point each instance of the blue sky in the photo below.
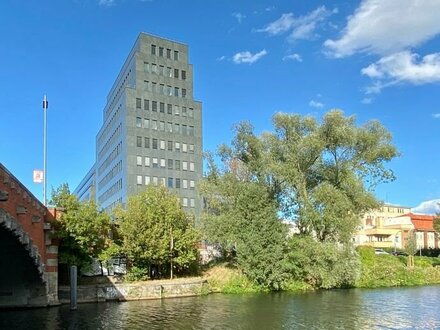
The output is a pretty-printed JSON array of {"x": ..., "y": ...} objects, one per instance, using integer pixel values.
[{"x": 374, "y": 59}]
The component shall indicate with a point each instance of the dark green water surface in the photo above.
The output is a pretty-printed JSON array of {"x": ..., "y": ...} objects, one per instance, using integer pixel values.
[{"x": 397, "y": 308}]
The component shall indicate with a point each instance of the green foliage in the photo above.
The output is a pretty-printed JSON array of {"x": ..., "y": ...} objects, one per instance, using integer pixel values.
[
  {"x": 136, "y": 274},
  {"x": 156, "y": 230},
  {"x": 242, "y": 218},
  {"x": 322, "y": 264},
  {"x": 83, "y": 230}
]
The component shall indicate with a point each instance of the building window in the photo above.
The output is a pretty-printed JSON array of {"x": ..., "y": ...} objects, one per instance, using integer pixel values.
[
  {"x": 170, "y": 109},
  {"x": 139, "y": 141},
  {"x": 170, "y": 182},
  {"x": 146, "y": 67},
  {"x": 191, "y": 148},
  {"x": 147, "y": 161},
  {"x": 185, "y": 201},
  {"x": 177, "y": 183},
  {"x": 184, "y": 166},
  {"x": 176, "y": 91},
  {"x": 184, "y": 147},
  {"x": 162, "y": 126},
  {"x": 138, "y": 103},
  {"x": 153, "y": 49},
  {"x": 147, "y": 85},
  {"x": 161, "y": 70},
  {"x": 146, "y": 123},
  {"x": 168, "y": 72},
  {"x": 183, "y": 92},
  {"x": 147, "y": 180},
  {"x": 177, "y": 146},
  {"x": 192, "y": 184},
  {"x": 184, "y": 111},
  {"x": 183, "y": 74},
  {"x": 163, "y": 182},
  {"x": 154, "y": 124},
  {"x": 169, "y": 91},
  {"x": 139, "y": 179},
  {"x": 170, "y": 164},
  {"x": 139, "y": 160},
  {"x": 192, "y": 202},
  {"x": 154, "y": 106},
  {"x": 147, "y": 142},
  {"x": 168, "y": 53},
  {"x": 162, "y": 144},
  {"x": 162, "y": 107},
  {"x": 176, "y": 110},
  {"x": 176, "y": 128},
  {"x": 153, "y": 87},
  {"x": 162, "y": 162},
  {"x": 155, "y": 180},
  {"x": 185, "y": 184},
  {"x": 169, "y": 127},
  {"x": 170, "y": 145},
  {"x": 153, "y": 68},
  {"x": 191, "y": 130},
  {"x": 146, "y": 104},
  {"x": 138, "y": 122},
  {"x": 154, "y": 143},
  {"x": 176, "y": 55},
  {"x": 161, "y": 51},
  {"x": 176, "y": 73},
  {"x": 184, "y": 130},
  {"x": 155, "y": 163},
  {"x": 177, "y": 164},
  {"x": 191, "y": 166}
]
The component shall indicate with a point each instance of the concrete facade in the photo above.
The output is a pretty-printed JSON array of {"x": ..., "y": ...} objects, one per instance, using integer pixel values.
[{"x": 152, "y": 129}]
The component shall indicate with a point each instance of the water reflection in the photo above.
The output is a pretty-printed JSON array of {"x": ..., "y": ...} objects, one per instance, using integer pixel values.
[{"x": 399, "y": 308}]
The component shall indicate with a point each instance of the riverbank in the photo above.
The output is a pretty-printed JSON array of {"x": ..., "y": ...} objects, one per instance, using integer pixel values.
[{"x": 158, "y": 289}]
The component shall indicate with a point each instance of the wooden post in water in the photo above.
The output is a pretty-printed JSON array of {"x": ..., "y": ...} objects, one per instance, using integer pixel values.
[{"x": 73, "y": 288}]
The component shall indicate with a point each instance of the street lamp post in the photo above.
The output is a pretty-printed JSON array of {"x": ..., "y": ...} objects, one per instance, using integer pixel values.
[{"x": 45, "y": 107}]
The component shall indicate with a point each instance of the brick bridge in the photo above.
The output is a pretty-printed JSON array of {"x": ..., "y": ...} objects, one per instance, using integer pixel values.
[{"x": 29, "y": 255}]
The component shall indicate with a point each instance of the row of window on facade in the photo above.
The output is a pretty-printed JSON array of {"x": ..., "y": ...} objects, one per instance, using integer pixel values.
[
  {"x": 165, "y": 126},
  {"x": 165, "y": 71},
  {"x": 113, "y": 205},
  {"x": 165, "y": 163},
  {"x": 158, "y": 144},
  {"x": 110, "y": 191},
  {"x": 164, "y": 52},
  {"x": 177, "y": 183},
  {"x": 162, "y": 89},
  {"x": 170, "y": 109}
]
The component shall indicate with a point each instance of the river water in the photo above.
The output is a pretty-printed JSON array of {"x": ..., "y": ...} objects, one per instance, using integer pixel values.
[{"x": 396, "y": 308}]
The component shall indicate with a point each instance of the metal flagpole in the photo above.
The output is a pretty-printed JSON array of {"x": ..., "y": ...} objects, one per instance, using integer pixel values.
[{"x": 45, "y": 107}]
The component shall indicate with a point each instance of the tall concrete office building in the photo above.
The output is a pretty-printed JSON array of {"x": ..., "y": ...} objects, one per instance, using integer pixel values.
[{"x": 152, "y": 129}]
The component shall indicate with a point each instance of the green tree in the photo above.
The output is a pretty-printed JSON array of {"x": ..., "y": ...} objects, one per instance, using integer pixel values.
[
  {"x": 411, "y": 247},
  {"x": 156, "y": 230},
  {"x": 241, "y": 217},
  {"x": 84, "y": 231}
]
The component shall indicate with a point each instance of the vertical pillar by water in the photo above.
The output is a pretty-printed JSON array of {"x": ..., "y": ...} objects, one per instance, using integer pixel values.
[{"x": 73, "y": 288}]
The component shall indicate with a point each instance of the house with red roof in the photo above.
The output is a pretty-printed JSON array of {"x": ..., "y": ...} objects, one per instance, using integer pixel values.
[{"x": 424, "y": 228}]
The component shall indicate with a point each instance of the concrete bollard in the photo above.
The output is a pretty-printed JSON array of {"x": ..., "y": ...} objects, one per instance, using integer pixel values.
[{"x": 73, "y": 288}]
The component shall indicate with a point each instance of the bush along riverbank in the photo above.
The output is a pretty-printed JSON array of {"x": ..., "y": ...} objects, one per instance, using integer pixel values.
[{"x": 372, "y": 271}]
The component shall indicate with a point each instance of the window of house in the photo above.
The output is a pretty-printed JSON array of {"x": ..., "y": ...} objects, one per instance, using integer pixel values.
[
  {"x": 146, "y": 104},
  {"x": 185, "y": 184},
  {"x": 177, "y": 183},
  {"x": 176, "y": 91},
  {"x": 177, "y": 164},
  {"x": 184, "y": 147},
  {"x": 153, "y": 49},
  {"x": 147, "y": 142},
  {"x": 169, "y": 127},
  {"x": 154, "y": 106},
  {"x": 183, "y": 92},
  {"x": 192, "y": 184},
  {"x": 176, "y": 73},
  {"x": 162, "y": 107},
  {"x": 162, "y": 90},
  {"x": 138, "y": 122},
  {"x": 170, "y": 182},
  {"x": 155, "y": 180},
  {"x": 185, "y": 202},
  {"x": 162, "y": 144},
  {"x": 170, "y": 145},
  {"x": 170, "y": 109},
  {"x": 154, "y": 143},
  {"x": 147, "y": 161},
  {"x": 168, "y": 53},
  {"x": 147, "y": 180},
  {"x": 192, "y": 202},
  {"x": 169, "y": 91},
  {"x": 191, "y": 130},
  {"x": 170, "y": 164},
  {"x": 154, "y": 124},
  {"x": 168, "y": 72},
  {"x": 138, "y": 103},
  {"x": 161, "y": 51},
  {"x": 153, "y": 68},
  {"x": 146, "y": 67},
  {"x": 161, "y": 70},
  {"x": 183, "y": 74},
  {"x": 184, "y": 111},
  {"x": 139, "y": 179},
  {"x": 153, "y": 87},
  {"x": 139, "y": 141},
  {"x": 191, "y": 148},
  {"x": 139, "y": 160},
  {"x": 191, "y": 166},
  {"x": 163, "y": 162},
  {"x": 177, "y": 146},
  {"x": 147, "y": 85},
  {"x": 155, "y": 163},
  {"x": 146, "y": 123},
  {"x": 184, "y": 166},
  {"x": 163, "y": 182},
  {"x": 184, "y": 129},
  {"x": 176, "y": 128},
  {"x": 176, "y": 55},
  {"x": 162, "y": 126},
  {"x": 191, "y": 112},
  {"x": 176, "y": 110}
]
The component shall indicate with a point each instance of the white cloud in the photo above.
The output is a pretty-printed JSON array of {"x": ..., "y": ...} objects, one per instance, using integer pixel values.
[
  {"x": 436, "y": 115},
  {"x": 302, "y": 27},
  {"x": 248, "y": 57},
  {"x": 367, "y": 100},
  {"x": 316, "y": 104},
  {"x": 384, "y": 27},
  {"x": 107, "y": 3},
  {"x": 240, "y": 17},
  {"x": 293, "y": 57},
  {"x": 428, "y": 207},
  {"x": 221, "y": 58},
  {"x": 403, "y": 67}
]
